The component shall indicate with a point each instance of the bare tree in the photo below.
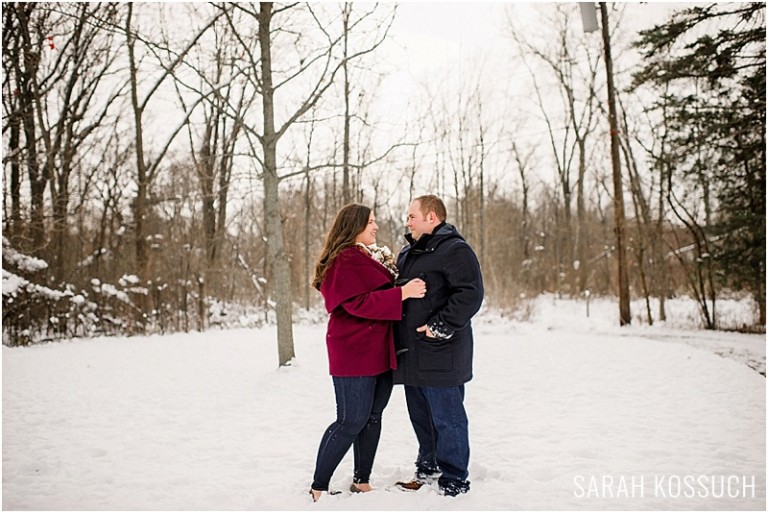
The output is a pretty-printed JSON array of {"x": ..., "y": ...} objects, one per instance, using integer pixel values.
[
  {"x": 224, "y": 111},
  {"x": 346, "y": 193},
  {"x": 22, "y": 50},
  {"x": 649, "y": 198},
  {"x": 323, "y": 63},
  {"x": 522, "y": 161},
  {"x": 618, "y": 190},
  {"x": 12, "y": 65},
  {"x": 576, "y": 81},
  {"x": 59, "y": 58},
  {"x": 147, "y": 167},
  {"x": 110, "y": 190}
]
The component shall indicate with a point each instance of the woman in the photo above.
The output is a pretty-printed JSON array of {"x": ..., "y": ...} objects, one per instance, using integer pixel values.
[{"x": 363, "y": 303}]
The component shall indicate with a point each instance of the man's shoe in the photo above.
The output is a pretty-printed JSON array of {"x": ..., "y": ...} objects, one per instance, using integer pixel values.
[
  {"x": 412, "y": 485},
  {"x": 453, "y": 488},
  {"x": 418, "y": 481}
]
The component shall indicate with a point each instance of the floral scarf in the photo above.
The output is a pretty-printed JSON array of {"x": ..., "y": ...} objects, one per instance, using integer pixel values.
[{"x": 381, "y": 254}]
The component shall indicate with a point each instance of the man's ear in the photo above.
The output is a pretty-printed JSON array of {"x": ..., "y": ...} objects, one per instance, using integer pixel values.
[{"x": 431, "y": 217}]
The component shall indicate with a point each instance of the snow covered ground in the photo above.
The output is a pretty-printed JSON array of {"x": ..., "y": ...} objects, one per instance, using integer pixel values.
[{"x": 566, "y": 413}]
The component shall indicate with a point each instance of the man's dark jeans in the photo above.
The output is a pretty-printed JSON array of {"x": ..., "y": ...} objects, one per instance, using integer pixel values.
[
  {"x": 360, "y": 402},
  {"x": 442, "y": 429}
]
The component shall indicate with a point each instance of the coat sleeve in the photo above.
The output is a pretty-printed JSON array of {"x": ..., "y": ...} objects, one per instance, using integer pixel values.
[
  {"x": 465, "y": 283},
  {"x": 354, "y": 284},
  {"x": 382, "y": 305}
]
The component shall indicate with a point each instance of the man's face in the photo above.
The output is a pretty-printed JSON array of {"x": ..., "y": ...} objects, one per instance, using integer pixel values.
[{"x": 419, "y": 224}]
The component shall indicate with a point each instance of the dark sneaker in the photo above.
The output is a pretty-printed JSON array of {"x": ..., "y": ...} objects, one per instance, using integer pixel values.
[{"x": 453, "y": 488}]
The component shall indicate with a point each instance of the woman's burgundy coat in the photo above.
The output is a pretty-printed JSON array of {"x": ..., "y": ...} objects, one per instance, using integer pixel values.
[{"x": 363, "y": 305}]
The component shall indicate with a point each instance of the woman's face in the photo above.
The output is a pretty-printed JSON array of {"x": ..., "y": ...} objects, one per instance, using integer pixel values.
[{"x": 368, "y": 235}]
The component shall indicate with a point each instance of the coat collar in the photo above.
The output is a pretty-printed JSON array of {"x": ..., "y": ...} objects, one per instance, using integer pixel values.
[{"x": 428, "y": 242}]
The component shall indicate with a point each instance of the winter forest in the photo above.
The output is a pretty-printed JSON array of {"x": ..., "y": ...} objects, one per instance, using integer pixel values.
[{"x": 173, "y": 167}]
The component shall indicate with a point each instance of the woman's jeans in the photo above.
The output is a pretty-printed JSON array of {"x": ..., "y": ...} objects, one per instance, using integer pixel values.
[{"x": 360, "y": 402}]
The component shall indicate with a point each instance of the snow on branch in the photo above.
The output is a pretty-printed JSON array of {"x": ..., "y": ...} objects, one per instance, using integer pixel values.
[{"x": 20, "y": 261}]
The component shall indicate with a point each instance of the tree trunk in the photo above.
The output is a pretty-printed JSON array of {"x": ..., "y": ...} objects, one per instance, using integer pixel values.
[
  {"x": 276, "y": 256},
  {"x": 206, "y": 176},
  {"x": 618, "y": 190},
  {"x": 581, "y": 222},
  {"x": 346, "y": 186},
  {"x": 140, "y": 203},
  {"x": 15, "y": 149},
  {"x": 307, "y": 261},
  {"x": 27, "y": 72},
  {"x": 60, "y": 207}
]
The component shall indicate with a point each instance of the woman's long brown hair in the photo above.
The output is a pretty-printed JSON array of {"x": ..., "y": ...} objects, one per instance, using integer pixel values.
[{"x": 350, "y": 221}]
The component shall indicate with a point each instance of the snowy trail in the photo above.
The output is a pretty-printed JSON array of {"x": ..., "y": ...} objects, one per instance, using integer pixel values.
[{"x": 206, "y": 422}]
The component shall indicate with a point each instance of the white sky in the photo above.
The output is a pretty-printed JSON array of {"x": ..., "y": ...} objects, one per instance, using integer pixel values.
[{"x": 428, "y": 36}]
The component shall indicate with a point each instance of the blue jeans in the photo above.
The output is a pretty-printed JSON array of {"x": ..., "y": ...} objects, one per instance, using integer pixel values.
[
  {"x": 442, "y": 429},
  {"x": 360, "y": 402}
]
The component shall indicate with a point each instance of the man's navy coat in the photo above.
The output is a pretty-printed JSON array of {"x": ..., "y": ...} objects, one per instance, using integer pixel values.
[{"x": 450, "y": 268}]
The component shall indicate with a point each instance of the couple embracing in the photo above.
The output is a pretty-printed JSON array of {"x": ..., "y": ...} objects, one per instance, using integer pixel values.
[{"x": 404, "y": 322}]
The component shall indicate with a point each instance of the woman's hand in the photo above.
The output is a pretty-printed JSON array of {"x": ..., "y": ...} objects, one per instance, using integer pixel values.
[{"x": 415, "y": 288}]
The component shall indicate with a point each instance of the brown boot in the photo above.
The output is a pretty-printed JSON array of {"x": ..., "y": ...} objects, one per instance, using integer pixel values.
[{"x": 412, "y": 485}]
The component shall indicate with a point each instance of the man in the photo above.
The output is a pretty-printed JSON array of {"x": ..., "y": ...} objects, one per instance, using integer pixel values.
[{"x": 434, "y": 344}]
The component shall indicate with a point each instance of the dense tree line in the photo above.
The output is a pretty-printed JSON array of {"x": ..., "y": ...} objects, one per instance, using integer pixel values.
[{"x": 174, "y": 173}]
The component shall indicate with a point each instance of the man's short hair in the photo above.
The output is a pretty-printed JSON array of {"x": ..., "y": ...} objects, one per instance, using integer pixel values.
[{"x": 431, "y": 203}]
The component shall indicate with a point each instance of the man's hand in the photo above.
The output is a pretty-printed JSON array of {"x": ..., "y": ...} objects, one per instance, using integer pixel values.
[{"x": 425, "y": 329}]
